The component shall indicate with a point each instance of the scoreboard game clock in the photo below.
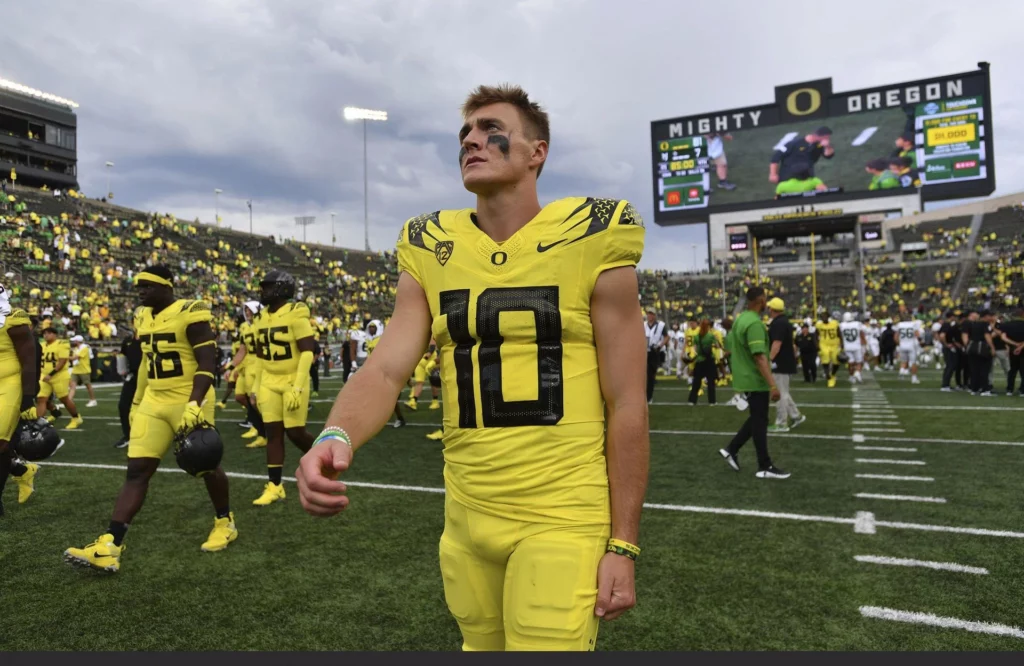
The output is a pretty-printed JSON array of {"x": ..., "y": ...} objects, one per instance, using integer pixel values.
[
  {"x": 683, "y": 178},
  {"x": 950, "y": 140}
]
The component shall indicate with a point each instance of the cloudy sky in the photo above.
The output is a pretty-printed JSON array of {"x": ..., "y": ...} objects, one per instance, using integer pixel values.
[{"x": 244, "y": 95}]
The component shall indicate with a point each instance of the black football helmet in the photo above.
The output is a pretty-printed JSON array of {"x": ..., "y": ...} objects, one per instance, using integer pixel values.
[
  {"x": 843, "y": 358},
  {"x": 199, "y": 451},
  {"x": 276, "y": 286},
  {"x": 36, "y": 440}
]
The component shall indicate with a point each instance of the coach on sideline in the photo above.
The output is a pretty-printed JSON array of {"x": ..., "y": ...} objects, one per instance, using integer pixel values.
[
  {"x": 657, "y": 340},
  {"x": 783, "y": 357},
  {"x": 752, "y": 376}
]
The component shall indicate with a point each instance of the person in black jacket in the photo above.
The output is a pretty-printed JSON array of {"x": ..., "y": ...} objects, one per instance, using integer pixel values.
[
  {"x": 887, "y": 346},
  {"x": 980, "y": 350},
  {"x": 808, "y": 346},
  {"x": 128, "y": 362},
  {"x": 1012, "y": 333}
]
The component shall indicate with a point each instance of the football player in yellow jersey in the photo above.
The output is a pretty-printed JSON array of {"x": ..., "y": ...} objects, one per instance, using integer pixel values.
[
  {"x": 17, "y": 393},
  {"x": 828, "y": 346},
  {"x": 81, "y": 369},
  {"x": 534, "y": 311},
  {"x": 285, "y": 342},
  {"x": 55, "y": 378},
  {"x": 420, "y": 375},
  {"x": 174, "y": 395},
  {"x": 244, "y": 375}
]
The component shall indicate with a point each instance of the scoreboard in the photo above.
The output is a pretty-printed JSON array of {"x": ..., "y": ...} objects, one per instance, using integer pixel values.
[
  {"x": 950, "y": 140},
  {"x": 683, "y": 178}
]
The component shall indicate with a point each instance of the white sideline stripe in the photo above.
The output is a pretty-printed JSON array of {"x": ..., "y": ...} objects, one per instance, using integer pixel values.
[
  {"x": 977, "y": 531},
  {"x": 885, "y": 448},
  {"x": 902, "y": 498},
  {"x": 912, "y": 617},
  {"x": 887, "y": 461},
  {"x": 865, "y": 523},
  {"x": 863, "y": 137},
  {"x": 861, "y": 429},
  {"x": 844, "y": 438},
  {"x": 894, "y": 477},
  {"x": 938, "y": 566}
]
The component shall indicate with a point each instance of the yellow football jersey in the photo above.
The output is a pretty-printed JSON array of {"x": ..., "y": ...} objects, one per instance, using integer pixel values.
[
  {"x": 54, "y": 352},
  {"x": 84, "y": 357},
  {"x": 524, "y": 429},
  {"x": 170, "y": 360},
  {"x": 828, "y": 333},
  {"x": 276, "y": 335},
  {"x": 247, "y": 336},
  {"x": 9, "y": 318}
]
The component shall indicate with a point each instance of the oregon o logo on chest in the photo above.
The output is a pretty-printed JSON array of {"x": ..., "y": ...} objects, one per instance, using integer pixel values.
[
  {"x": 499, "y": 258},
  {"x": 814, "y": 99}
]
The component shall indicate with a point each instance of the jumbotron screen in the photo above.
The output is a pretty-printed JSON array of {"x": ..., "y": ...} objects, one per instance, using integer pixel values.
[{"x": 933, "y": 136}]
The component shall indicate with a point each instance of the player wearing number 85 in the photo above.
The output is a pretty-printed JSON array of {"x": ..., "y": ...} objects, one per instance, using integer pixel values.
[
  {"x": 174, "y": 395},
  {"x": 534, "y": 311}
]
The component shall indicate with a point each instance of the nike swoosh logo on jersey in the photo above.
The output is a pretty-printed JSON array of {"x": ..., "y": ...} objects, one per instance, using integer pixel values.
[{"x": 544, "y": 248}]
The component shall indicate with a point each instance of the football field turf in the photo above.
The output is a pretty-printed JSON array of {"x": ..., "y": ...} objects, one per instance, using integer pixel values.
[{"x": 900, "y": 529}]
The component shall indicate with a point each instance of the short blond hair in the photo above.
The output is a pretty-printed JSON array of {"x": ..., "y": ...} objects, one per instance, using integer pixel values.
[{"x": 535, "y": 119}]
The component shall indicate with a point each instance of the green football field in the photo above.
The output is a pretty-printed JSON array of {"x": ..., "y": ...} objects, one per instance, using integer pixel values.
[
  {"x": 750, "y": 152},
  {"x": 900, "y": 529}
]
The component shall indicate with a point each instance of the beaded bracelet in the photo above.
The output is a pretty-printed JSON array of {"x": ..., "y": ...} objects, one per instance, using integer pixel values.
[{"x": 333, "y": 432}]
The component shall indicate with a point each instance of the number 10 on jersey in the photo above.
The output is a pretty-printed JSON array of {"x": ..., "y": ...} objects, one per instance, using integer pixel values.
[{"x": 548, "y": 408}]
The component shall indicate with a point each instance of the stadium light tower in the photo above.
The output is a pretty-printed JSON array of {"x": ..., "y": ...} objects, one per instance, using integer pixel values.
[
  {"x": 248, "y": 203},
  {"x": 333, "y": 237},
  {"x": 110, "y": 165},
  {"x": 216, "y": 206},
  {"x": 355, "y": 113},
  {"x": 304, "y": 222}
]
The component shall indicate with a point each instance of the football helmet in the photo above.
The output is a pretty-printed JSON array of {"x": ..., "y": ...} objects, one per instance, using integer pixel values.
[
  {"x": 843, "y": 358},
  {"x": 276, "y": 286},
  {"x": 36, "y": 439},
  {"x": 198, "y": 451}
]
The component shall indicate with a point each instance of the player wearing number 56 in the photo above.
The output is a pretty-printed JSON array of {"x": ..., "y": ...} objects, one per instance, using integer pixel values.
[
  {"x": 534, "y": 312},
  {"x": 174, "y": 395}
]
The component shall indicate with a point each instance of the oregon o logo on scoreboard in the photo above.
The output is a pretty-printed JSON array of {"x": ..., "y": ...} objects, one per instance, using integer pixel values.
[{"x": 793, "y": 102}]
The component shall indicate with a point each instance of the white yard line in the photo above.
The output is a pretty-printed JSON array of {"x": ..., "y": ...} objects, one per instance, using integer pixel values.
[
  {"x": 906, "y": 449},
  {"x": 902, "y": 498},
  {"x": 912, "y": 617},
  {"x": 862, "y": 429},
  {"x": 894, "y": 477},
  {"x": 846, "y": 438},
  {"x": 887, "y": 461},
  {"x": 938, "y": 566},
  {"x": 664, "y": 507}
]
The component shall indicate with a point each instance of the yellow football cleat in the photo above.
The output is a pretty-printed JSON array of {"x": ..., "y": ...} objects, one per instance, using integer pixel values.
[
  {"x": 250, "y": 433},
  {"x": 101, "y": 554},
  {"x": 411, "y": 404},
  {"x": 223, "y": 533},
  {"x": 50, "y": 418},
  {"x": 221, "y": 405},
  {"x": 26, "y": 482},
  {"x": 437, "y": 434},
  {"x": 271, "y": 493},
  {"x": 314, "y": 394},
  {"x": 434, "y": 404},
  {"x": 831, "y": 382},
  {"x": 258, "y": 443},
  {"x": 76, "y": 423}
]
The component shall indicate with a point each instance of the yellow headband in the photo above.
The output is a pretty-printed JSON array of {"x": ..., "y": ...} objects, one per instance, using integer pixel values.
[{"x": 152, "y": 277}]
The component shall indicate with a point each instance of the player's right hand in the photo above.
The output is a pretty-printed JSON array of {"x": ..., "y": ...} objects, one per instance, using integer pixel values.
[
  {"x": 319, "y": 493},
  {"x": 773, "y": 178},
  {"x": 30, "y": 414},
  {"x": 775, "y": 395}
]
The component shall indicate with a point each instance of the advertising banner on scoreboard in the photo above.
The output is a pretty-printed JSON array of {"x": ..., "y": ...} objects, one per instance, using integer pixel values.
[{"x": 932, "y": 136}]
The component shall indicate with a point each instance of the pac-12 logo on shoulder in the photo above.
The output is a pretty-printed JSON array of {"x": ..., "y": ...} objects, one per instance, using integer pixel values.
[{"x": 443, "y": 251}]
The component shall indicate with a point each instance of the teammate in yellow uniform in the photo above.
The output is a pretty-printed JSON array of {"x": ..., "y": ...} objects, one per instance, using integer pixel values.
[
  {"x": 17, "y": 393},
  {"x": 433, "y": 372},
  {"x": 828, "y": 347},
  {"x": 81, "y": 369},
  {"x": 535, "y": 314},
  {"x": 244, "y": 377},
  {"x": 174, "y": 394},
  {"x": 285, "y": 342},
  {"x": 55, "y": 378},
  {"x": 420, "y": 376}
]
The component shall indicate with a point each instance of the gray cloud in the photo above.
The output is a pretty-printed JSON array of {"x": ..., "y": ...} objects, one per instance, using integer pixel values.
[{"x": 188, "y": 95}]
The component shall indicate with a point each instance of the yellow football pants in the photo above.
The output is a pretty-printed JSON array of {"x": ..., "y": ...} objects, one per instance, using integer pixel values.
[{"x": 513, "y": 585}]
